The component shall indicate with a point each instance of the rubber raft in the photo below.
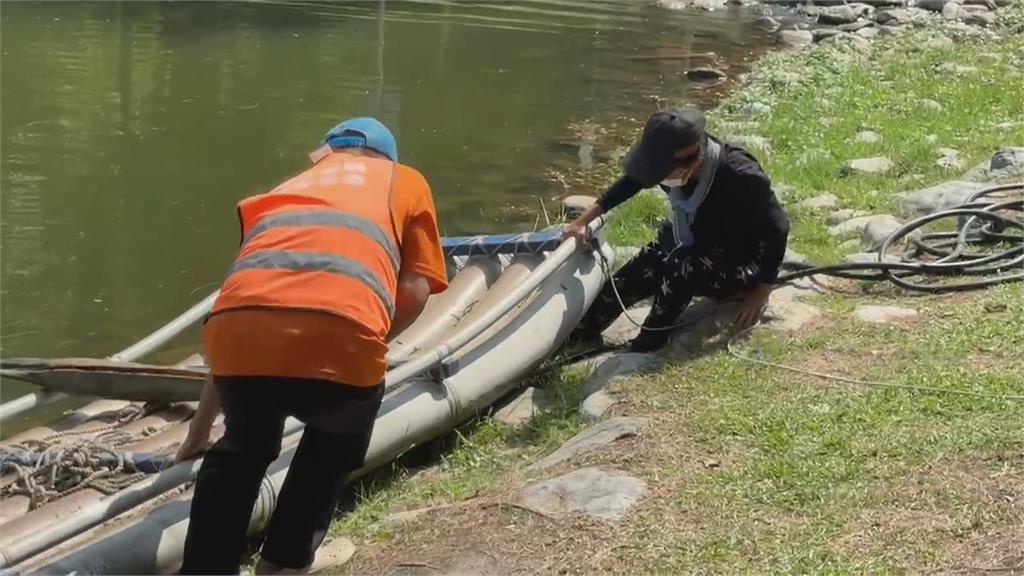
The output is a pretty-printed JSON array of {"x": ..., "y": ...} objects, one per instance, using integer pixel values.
[{"x": 512, "y": 301}]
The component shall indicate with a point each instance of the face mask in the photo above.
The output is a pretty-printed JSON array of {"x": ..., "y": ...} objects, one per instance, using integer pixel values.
[{"x": 672, "y": 182}]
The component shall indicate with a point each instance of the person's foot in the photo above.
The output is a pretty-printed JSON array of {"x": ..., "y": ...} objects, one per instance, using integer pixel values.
[
  {"x": 650, "y": 340},
  {"x": 584, "y": 341},
  {"x": 264, "y": 567}
]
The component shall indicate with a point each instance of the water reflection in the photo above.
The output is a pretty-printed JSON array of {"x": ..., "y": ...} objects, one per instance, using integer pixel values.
[{"x": 129, "y": 130}]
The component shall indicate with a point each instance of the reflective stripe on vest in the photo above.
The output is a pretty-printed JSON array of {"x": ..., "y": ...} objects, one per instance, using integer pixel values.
[
  {"x": 315, "y": 262},
  {"x": 334, "y": 220}
]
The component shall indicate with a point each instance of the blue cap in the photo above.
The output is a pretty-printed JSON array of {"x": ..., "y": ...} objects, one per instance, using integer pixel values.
[{"x": 363, "y": 133}]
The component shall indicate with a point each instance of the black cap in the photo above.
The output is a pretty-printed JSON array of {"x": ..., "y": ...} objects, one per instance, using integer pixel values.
[{"x": 653, "y": 157}]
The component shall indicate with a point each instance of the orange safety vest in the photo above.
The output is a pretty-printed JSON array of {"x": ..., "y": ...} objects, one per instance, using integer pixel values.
[{"x": 325, "y": 241}]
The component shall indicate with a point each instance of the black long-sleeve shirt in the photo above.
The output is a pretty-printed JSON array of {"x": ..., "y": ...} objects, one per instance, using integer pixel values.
[{"x": 740, "y": 217}]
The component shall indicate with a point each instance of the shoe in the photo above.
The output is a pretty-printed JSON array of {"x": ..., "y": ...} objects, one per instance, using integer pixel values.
[
  {"x": 584, "y": 341},
  {"x": 650, "y": 341}
]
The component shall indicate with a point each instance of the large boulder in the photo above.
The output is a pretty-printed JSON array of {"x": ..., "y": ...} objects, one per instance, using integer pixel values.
[
  {"x": 835, "y": 15},
  {"x": 1006, "y": 162},
  {"x": 877, "y": 231},
  {"x": 795, "y": 39},
  {"x": 937, "y": 198}
]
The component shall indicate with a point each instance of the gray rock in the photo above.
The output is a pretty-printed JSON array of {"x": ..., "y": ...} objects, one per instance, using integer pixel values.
[
  {"x": 977, "y": 174},
  {"x": 982, "y": 19},
  {"x": 819, "y": 202},
  {"x": 933, "y": 5},
  {"x": 949, "y": 158},
  {"x": 854, "y": 42},
  {"x": 793, "y": 257},
  {"x": 874, "y": 165},
  {"x": 887, "y": 30},
  {"x": 952, "y": 69},
  {"x": 951, "y": 11},
  {"x": 573, "y": 206},
  {"x": 851, "y": 245},
  {"x": 622, "y": 331},
  {"x": 868, "y": 137},
  {"x": 900, "y": 16},
  {"x": 868, "y": 257},
  {"x": 616, "y": 365},
  {"x": 855, "y": 26},
  {"x": 782, "y": 191},
  {"x": 756, "y": 108},
  {"x": 674, "y": 5},
  {"x": 710, "y": 5},
  {"x": 594, "y": 438},
  {"x": 595, "y": 406},
  {"x": 883, "y": 314},
  {"x": 939, "y": 41},
  {"x": 852, "y": 226},
  {"x": 705, "y": 75},
  {"x": 930, "y": 105},
  {"x": 785, "y": 312},
  {"x": 522, "y": 408},
  {"x": 989, "y": 57},
  {"x": 868, "y": 33},
  {"x": 837, "y": 15},
  {"x": 607, "y": 495},
  {"x": 753, "y": 142},
  {"x": 767, "y": 23},
  {"x": 937, "y": 198},
  {"x": 795, "y": 39},
  {"x": 877, "y": 230},
  {"x": 840, "y": 216},
  {"x": 825, "y": 33},
  {"x": 1006, "y": 162}
]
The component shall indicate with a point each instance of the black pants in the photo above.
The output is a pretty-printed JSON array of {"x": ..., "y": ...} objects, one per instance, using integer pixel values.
[
  {"x": 673, "y": 274},
  {"x": 339, "y": 420}
]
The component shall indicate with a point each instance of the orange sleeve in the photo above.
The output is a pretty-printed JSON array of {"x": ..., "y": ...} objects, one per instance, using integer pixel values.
[{"x": 421, "y": 242}]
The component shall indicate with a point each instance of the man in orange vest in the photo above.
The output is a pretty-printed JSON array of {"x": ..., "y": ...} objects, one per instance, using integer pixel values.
[{"x": 333, "y": 262}]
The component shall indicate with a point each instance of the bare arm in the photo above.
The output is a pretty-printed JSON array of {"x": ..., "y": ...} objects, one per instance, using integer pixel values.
[
  {"x": 198, "y": 438},
  {"x": 413, "y": 290}
]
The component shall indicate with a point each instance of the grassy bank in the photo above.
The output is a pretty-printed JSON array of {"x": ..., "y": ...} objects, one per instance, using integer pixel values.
[{"x": 754, "y": 470}]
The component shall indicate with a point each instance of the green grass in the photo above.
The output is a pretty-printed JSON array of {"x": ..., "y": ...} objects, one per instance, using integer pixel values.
[
  {"x": 816, "y": 477},
  {"x": 635, "y": 222},
  {"x": 472, "y": 459},
  {"x": 813, "y": 123},
  {"x": 821, "y": 456}
]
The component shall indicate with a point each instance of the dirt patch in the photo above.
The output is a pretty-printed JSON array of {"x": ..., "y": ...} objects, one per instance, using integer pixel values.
[
  {"x": 969, "y": 510},
  {"x": 491, "y": 534},
  {"x": 840, "y": 362}
]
